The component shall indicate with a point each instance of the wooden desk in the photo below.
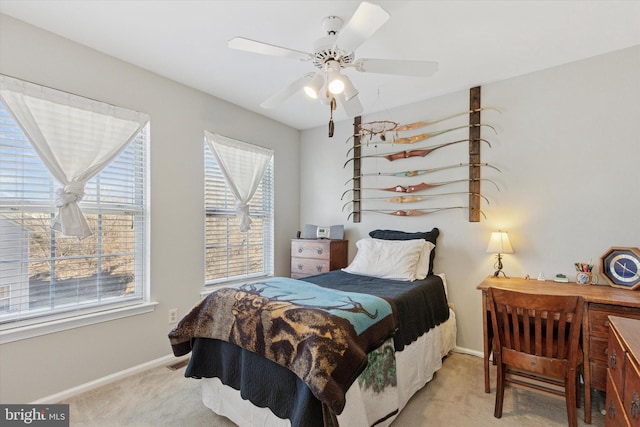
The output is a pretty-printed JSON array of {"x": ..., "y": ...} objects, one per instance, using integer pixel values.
[{"x": 600, "y": 302}]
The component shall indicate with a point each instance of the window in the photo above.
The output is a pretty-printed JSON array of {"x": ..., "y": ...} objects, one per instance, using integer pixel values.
[
  {"x": 44, "y": 273},
  {"x": 229, "y": 253}
]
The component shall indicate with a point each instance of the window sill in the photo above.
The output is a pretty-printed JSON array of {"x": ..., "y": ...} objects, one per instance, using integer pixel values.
[{"x": 57, "y": 325}]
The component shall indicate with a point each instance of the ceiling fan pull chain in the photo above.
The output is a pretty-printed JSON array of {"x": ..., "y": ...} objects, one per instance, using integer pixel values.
[{"x": 332, "y": 106}]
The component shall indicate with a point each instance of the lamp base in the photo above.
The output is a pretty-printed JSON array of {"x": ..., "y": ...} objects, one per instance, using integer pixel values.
[
  {"x": 498, "y": 272},
  {"x": 498, "y": 268}
]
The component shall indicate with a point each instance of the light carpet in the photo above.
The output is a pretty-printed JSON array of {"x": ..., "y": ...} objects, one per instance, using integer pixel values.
[{"x": 454, "y": 398}]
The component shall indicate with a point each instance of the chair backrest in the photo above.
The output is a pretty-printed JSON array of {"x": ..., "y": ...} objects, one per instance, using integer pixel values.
[{"x": 538, "y": 325}]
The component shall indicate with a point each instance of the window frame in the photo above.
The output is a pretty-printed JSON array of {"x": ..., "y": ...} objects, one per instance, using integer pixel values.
[
  {"x": 28, "y": 325},
  {"x": 267, "y": 214}
]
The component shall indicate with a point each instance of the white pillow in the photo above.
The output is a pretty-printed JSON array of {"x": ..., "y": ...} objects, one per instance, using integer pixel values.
[
  {"x": 389, "y": 259},
  {"x": 422, "y": 269}
]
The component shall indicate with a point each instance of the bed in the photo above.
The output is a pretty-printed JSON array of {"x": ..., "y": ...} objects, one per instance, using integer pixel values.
[{"x": 399, "y": 329}]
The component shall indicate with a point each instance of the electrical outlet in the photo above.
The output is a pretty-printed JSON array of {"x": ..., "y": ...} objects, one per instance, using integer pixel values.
[{"x": 173, "y": 315}]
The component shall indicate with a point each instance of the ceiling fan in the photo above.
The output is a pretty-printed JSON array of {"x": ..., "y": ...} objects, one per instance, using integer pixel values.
[{"x": 331, "y": 54}]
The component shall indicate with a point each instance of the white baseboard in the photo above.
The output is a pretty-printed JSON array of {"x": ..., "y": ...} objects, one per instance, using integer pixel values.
[
  {"x": 469, "y": 351},
  {"x": 66, "y": 394},
  {"x": 165, "y": 360}
]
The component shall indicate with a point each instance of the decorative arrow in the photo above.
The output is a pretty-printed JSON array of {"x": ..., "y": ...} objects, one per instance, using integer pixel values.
[
  {"x": 412, "y": 199},
  {"x": 420, "y": 187},
  {"x": 382, "y": 127},
  {"x": 413, "y": 153},
  {"x": 411, "y": 212},
  {"x": 421, "y": 171},
  {"x": 420, "y": 137}
]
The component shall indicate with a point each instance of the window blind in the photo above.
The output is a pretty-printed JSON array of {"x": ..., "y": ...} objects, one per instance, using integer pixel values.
[
  {"x": 231, "y": 254},
  {"x": 44, "y": 273}
]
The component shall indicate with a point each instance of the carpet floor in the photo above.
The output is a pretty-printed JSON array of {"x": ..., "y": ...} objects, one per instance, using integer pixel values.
[{"x": 454, "y": 398}]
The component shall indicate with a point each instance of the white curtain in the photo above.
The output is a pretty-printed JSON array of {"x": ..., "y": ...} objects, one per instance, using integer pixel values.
[
  {"x": 243, "y": 167},
  {"x": 75, "y": 138}
]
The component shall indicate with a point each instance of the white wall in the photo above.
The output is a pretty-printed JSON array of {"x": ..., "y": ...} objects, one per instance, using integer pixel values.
[
  {"x": 569, "y": 152},
  {"x": 38, "y": 367}
]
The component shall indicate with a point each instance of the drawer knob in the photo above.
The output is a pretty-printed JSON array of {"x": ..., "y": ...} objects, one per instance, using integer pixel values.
[
  {"x": 300, "y": 250},
  {"x": 613, "y": 359},
  {"x": 319, "y": 250},
  {"x": 634, "y": 409},
  {"x": 319, "y": 268},
  {"x": 300, "y": 266}
]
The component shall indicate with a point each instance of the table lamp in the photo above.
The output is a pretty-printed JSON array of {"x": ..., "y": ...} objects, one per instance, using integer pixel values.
[{"x": 499, "y": 244}]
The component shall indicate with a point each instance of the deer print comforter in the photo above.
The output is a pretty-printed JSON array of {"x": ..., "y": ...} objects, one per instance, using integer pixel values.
[{"x": 322, "y": 335}]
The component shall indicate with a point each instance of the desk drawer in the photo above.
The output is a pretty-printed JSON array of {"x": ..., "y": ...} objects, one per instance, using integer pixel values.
[
  {"x": 598, "y": 317},
  {"x": 631, "y": 396},
  {"x": 616, "y": 360},
  {"x": 615, "y": 409},
  {"x": 599, "y": 350},
  {"x": 598, "y": 376}
]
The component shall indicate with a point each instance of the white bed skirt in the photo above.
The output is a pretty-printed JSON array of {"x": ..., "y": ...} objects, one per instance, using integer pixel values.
[{"x": 430, "y": 348}]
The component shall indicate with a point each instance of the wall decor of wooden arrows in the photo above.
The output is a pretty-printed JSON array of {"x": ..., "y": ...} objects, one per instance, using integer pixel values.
[{"x": 387, "y": 133}]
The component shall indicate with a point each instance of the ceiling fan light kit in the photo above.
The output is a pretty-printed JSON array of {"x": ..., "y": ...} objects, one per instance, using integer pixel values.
[
  {"x": 334, "y": 81},
  {"x": 334, "y": 52},
  {"x": 349, "y": 90},
  {"x": 336, "y": 86},
  {"x": 315, "y": 85}
]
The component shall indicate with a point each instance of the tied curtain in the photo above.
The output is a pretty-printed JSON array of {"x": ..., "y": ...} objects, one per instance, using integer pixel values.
[
  {"x": 75, "y": 137},
  {"x": 243, "y": 167}
]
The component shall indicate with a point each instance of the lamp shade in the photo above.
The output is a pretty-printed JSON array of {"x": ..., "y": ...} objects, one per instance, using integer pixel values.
[
  {"x": 312, "y": 89},
  {"x": 499, "y": 243},
  {"x": 349, "y": 90},
  {"x": 335, "y": 84}
]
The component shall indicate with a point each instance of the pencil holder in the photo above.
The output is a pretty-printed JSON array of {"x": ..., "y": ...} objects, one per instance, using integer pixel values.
[{"x": 586, "y": 278}]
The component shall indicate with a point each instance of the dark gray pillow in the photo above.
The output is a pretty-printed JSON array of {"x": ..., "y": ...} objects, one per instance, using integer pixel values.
[{"x": 429, "y": 236}]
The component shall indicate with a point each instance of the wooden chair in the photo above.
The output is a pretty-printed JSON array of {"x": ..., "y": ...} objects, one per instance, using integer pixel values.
[{"x": 537, "y": 344}]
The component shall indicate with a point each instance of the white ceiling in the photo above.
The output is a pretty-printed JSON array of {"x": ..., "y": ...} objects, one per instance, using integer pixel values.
[{"x": 475, "y": 42}]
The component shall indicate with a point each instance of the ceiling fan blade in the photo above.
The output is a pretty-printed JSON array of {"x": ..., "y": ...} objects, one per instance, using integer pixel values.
[
  {"x": 248, "y": 45},
  {"x": 366, "y": 20},
  {"x": 352, "y": 107},
  {"x": 278, "y": 97},
  {"x": 398, "y": 67}
]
